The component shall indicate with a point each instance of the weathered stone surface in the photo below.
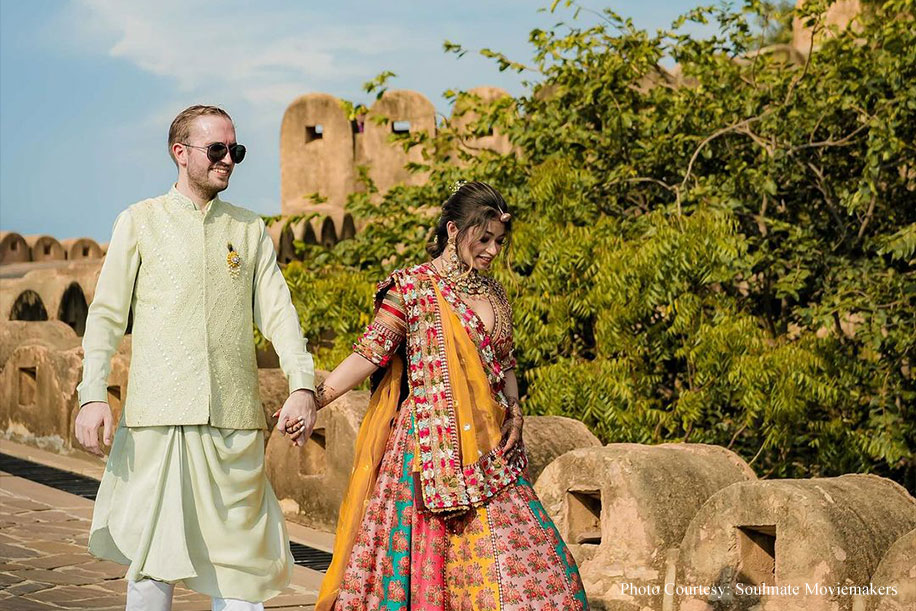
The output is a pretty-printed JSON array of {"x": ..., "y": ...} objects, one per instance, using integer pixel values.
[
  {"x": 45, "y": 248},
  {"x": 117, "y": 394},
  {"x": 840, "y": 14},
  {"x": 624, "y": 508},
  {"x": 274, "y": 390},
  {"x": 38, "y": 392},
  {"x": 13, "y": 248},
  {"x": 81, "y": 248},
  {"x": 547, "y": 437},
  {"x": 316, "y": 153},
  {"x": 896, "y": 570},
  {"x": 281, "y": 234},
  {"x": 316, "y": 475},
  {"x": 327, "y": 225},
  {"x": 62, "y": 292},
  {"x": 38, "y": 398},
  {"x": 51, "y": 333},
  {"x": 463, "y": 118},
  {"x": 811, "y": 534},
  {"x": 387, "y": 160}
]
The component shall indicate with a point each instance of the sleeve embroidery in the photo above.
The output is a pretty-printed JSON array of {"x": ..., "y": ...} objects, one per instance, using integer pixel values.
[{"x": 383, "y": 336}]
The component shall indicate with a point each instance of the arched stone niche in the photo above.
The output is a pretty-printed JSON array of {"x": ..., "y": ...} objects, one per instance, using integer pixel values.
[
  {"x": 802, "y": 533},
  {"x": 13, "y": 248},
  {"x": 45, "y": 248}
]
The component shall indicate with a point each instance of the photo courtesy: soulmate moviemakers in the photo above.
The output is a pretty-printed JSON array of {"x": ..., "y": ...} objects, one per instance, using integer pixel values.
[{"x": 763, "y": 589}]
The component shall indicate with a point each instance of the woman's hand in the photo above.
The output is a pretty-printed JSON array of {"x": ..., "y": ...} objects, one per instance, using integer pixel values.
[
  {"x": 512, "y": 426},
  {"x": 297, "y": 416}
]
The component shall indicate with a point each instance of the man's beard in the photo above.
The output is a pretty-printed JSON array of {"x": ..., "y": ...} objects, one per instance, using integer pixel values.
[{"x": 204, "y": 185}]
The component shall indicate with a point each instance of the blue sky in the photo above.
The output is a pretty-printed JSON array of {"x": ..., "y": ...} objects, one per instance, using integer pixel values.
[{"x": 88, "y": 87}]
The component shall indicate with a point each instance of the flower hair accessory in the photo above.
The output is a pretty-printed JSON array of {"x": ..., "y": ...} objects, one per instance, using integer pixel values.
[{"x": 458, "y": 184}]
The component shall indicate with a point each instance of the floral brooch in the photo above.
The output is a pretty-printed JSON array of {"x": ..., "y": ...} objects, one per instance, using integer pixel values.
[{"x": 233, "y": 260}]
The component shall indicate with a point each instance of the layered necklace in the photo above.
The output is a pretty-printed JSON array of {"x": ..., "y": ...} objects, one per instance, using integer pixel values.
[{"x": 463, "y": 277}]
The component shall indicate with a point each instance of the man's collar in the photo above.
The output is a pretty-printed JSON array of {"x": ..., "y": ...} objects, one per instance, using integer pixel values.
[{"x": 182, "y": 199}]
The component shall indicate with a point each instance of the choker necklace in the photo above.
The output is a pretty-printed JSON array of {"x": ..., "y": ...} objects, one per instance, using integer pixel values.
[{"x": 465, "y": 279}]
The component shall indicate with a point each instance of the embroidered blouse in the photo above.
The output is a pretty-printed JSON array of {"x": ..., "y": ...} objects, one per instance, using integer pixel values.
[{"x": 387, "y": 331}]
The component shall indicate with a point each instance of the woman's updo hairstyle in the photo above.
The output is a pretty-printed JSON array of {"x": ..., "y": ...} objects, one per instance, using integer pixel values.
[{"x": 472, "y": 206}]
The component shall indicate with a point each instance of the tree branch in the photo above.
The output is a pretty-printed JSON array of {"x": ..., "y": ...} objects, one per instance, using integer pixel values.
[
  {"x": 868, "y": 214},
  {"x": 844, "y": 141}
]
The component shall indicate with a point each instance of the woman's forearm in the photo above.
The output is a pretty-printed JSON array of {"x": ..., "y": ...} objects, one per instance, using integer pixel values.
[
  {"x": 511, "y": 390},
  {"x": 349, "y": 374}
]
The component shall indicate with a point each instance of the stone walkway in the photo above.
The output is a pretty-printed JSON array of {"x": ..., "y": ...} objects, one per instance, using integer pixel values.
[{"x": 44, "y": 563}]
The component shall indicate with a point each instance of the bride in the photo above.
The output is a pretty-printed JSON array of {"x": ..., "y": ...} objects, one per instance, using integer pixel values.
[{"x": 439, "y": 512}]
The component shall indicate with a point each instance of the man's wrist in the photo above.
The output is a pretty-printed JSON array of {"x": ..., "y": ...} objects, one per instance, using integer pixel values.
[
  {"x": 92, "y": 401},
  {"x": 303, "y": 391}
]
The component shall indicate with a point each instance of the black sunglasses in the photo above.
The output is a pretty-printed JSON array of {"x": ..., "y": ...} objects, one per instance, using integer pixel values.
[{"x": 218, "y": 150}]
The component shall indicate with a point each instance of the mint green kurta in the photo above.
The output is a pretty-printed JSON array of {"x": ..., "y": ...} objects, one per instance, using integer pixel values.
[
  {"x": 192, "y": 504},
  {"x": 184, "y": 496}
]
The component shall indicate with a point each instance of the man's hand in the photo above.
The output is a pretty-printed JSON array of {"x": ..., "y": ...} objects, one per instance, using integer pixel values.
[
  {"x": 297, "y": 416},
  {"x": 91, "y": 416}
]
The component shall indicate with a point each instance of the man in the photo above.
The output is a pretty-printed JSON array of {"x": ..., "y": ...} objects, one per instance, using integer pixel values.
[{"x": 184, "y": 496}]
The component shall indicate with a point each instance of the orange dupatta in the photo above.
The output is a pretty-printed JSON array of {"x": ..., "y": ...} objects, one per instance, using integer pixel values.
[{"x": 370, "y": 447}]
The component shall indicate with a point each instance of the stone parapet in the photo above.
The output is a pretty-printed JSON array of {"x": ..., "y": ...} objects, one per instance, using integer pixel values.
[
  {"x": 807, "y": 534},
  {"x": 623, "y": 509}
]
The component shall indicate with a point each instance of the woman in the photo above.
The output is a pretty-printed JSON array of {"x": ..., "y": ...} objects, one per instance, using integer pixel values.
[{"x": 439, "y": 513}]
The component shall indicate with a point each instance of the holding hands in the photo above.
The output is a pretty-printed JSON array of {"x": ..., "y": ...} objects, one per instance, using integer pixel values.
[{"x": 297, "y": 416}]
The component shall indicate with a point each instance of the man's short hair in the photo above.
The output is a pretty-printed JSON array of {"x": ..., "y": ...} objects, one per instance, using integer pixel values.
[{"x": 180, "y": 130}]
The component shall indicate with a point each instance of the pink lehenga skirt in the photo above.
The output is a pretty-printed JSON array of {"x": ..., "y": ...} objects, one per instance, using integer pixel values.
[{"x": 504, "y": 556}]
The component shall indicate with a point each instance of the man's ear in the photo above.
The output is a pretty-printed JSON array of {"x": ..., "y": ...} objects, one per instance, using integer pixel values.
[{"x": 179, "y": 154}]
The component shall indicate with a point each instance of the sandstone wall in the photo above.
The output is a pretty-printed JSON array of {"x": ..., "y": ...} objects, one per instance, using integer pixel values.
[
  {"x": 316, "y": 153},
  {"x": 841, "y": 14},
  {"x": 13, "y": 248},
  {"x": 316, "y": 476},
  {"x": 623, "y": 509},
  {"x": 804, "y": 533},
  {"x": 63, "y": 292},
  {"x": 548, "y": 437},
  {"x": 463, "y": 119},
  {"x": 45, "y": 248},
  {"x": 896, "y": 570},
  {"x": 81, "y": 248},
  {"x": 53, "y": 333}
]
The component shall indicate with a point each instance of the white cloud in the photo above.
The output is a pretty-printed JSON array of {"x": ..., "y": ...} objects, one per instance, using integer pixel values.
[{"x": 206, "y": 46}]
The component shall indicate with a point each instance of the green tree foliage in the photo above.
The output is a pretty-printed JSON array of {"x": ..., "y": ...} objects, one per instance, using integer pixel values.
[{"x": 723, "y": 255}]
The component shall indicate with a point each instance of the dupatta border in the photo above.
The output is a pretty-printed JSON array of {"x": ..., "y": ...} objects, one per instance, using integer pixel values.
[{"x": 445, "y": 484}]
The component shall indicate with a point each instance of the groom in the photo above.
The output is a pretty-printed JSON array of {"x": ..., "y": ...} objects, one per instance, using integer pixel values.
[{"x": 184, "y": 497}]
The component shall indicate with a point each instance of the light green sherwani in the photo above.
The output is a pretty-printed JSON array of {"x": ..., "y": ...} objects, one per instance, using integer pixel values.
[{"x": 193, "y": 353}]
